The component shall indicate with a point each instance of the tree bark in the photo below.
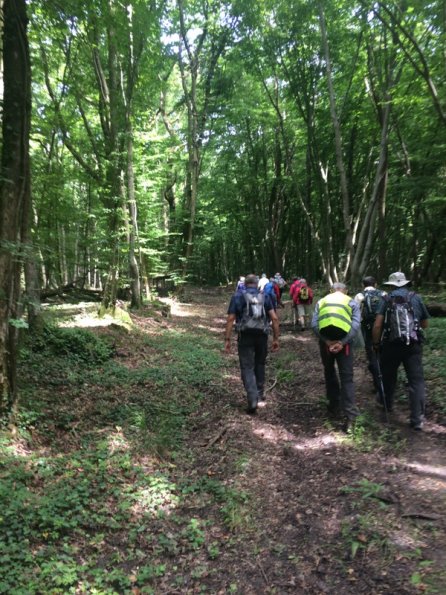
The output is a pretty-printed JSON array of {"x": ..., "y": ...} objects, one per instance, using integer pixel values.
[
  {"x": 15, "y": 192},
  {"x": 338, "y": 144}
]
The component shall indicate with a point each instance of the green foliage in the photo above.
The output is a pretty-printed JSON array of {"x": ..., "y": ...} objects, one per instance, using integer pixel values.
[
  {"x": 73, "y": 343},
  {"x": 234, "y": 503},
  {"x": 365, "y": 489},
  {"x": 434, "y": 358}
]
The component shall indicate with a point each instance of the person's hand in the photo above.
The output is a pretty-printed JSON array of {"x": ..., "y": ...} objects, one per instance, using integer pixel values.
[
  {"x": 335, "y": 346},
  {"x": 376, "y": 347},
  {"x": 227, "y": 345},
  {"x": 275, "y": 345}
]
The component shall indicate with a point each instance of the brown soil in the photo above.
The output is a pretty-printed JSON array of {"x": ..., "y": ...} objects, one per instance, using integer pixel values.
[
  {"x": 325, "y": 513},
  {"x": 289, "y": 503}
]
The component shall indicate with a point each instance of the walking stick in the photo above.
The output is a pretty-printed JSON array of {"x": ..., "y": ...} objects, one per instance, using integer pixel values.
[{"x": 381, "y": 387}]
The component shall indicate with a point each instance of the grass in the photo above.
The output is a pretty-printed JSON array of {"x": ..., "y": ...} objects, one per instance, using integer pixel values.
[
  {"x": 96, "y": 496},
  {"x": 90, "y": 470},
  {"x": 435, "y": 364}
]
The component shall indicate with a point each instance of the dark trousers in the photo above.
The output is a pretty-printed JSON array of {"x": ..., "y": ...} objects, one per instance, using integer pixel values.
[
  {"x": 371, "y": 356},
  {"x": 394, "y": 354},
  {"x": 252, "y": 352},
  {"x": 339, "y": 392}
]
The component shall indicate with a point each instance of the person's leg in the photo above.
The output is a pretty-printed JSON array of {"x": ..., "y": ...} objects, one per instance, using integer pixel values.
[
  {"x": 371, "y": 357},
  {"x": 331, "y": 380},
  {"x": 294, "y": 315},
  {"x": 344, "y": 360},
  {"x": 261, "y": 352},
  {"x": 301, "y": 316},
  {"x": 246, "y": 354},
  {"x": 390, "y": 359},
  {"x": 413, "y": 366}
]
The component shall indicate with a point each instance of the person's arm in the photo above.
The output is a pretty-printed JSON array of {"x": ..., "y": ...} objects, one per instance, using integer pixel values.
[
  {"x": 356, "y": 323},
  {"x": 424, "y": 318},
  {"x": 377, "y": 331},
  {"x": 275, "y": 324},
  {"x": 228, "y": 331},
  {"x": 315, "y": 322}
]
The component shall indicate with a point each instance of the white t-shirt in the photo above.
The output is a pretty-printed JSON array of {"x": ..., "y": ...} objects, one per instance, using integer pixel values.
[{"x": 262, "y": 282}]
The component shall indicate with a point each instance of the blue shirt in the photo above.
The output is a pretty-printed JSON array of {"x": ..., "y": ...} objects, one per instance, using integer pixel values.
[
  {"x": 419, "y": 309},
  {"x": 238, "y": 303}
]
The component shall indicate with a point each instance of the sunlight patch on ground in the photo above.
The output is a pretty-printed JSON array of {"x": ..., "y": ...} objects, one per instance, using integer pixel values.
[
  {"x": 427, "y": 478},
  {"x": 183, "y": 310},
  {"x": 232, "y": 376},
  {"x": 85, "y": 315},
  {"x": 403, "y": 541},
  {"x": 157, "y": 498},
  {"x": 276, "y": 435},
  {"x": 117, "y": 441},
  {"x": 304, "y": 338},
  {"x": 180, "y": 311},
  {"x": 432, "y": 470},
  {"x": 18, "y": 448}
]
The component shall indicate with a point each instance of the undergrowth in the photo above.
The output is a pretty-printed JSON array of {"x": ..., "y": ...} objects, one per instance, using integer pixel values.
[
  {"x": 82, "y": 513},
  {"x": 434, "y": 357}
]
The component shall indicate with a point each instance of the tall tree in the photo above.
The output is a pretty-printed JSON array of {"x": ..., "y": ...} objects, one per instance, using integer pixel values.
[{"x": 15, "y": 192}]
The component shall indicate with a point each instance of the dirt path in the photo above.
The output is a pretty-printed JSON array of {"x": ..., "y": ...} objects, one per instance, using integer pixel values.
[{"x": 324, "y": 513}]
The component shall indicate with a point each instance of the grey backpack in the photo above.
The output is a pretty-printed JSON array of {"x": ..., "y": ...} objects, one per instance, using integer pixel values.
[
  {"x": 254, "y": 317},
  {"x": 400, "y": 322}
]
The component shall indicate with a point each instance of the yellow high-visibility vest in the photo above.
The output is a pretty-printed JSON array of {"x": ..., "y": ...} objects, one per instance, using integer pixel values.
[{"x": 334, "y": 310}]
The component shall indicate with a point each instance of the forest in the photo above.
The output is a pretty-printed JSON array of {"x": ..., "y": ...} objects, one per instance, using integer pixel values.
[{"x": 153, "y": 151}]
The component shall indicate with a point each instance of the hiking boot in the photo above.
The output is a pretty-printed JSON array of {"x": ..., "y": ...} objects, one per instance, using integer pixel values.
[
  {"x": 417, "y": 426},
  {"x": 333, "y": 410},
  {"x": 349, "y": 426},
  {"x": 251, "y": 410}
]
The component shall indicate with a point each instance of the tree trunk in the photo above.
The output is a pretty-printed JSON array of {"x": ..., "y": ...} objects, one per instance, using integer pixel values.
[
  {"x": 15, "y": 186},
  {"x": 338, "y": 144},
  {"x": 135, "y": 284}
]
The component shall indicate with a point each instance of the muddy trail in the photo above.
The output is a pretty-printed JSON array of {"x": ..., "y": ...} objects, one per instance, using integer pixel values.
[{"x": 324, "y": 513}]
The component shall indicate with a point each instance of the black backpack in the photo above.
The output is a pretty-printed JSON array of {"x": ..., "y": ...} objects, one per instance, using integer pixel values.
[
  {"x": 370, "y": 306},
  {"x": 254, "y": 317},
  {"x": 400, "y": 322}
]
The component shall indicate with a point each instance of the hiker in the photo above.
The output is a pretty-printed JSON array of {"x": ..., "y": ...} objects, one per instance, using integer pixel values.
[
  {"x": 369, "y": 300},
  {"x": 302, "y": 300},
  {"x": 295, "y": 286},
  {"x": 336, "y": 321},
  {"x": 277, "y": 292},
  {"x": 397, "y": 337},
  {"x": 252, "y": 312},
  {"x": 281, "y": 283},
  {"x": 241, "y": 285},
  {"x": 271, "y": 290},
  {"x": 263, "y": 281}
]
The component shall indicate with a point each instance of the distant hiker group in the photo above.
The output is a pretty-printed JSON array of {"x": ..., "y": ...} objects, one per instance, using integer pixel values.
[{"x": 391, "y": 326}]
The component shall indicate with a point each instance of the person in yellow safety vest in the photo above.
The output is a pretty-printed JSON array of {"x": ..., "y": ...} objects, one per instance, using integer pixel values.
[{"x": 336, "y": 321}]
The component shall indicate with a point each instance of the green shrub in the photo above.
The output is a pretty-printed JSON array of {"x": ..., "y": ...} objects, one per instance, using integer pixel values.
[{"x": 76, "y": 343}]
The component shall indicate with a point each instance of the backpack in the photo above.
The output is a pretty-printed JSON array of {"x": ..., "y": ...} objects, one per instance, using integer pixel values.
[
  {"x": 254, "y": 316},
  {"x": 370, "y": 306},
  {"x": 303, "y": 293},
  {"x": 400, "y": 323}
]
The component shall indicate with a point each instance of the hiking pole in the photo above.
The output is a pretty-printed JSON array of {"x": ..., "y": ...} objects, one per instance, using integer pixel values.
[{"x": 381, "y": 387}]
